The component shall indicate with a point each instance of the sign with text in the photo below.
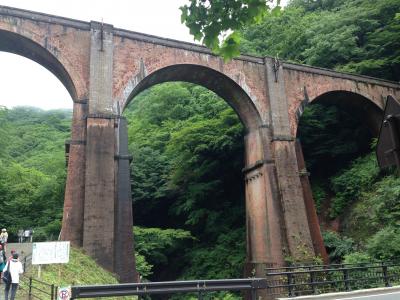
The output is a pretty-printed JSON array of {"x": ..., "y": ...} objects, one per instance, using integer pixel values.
[{"x": 50, "y": 253}]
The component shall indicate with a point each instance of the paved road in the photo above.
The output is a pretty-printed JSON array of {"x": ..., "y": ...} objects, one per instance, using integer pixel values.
[
  {"x": 390, "y": 296},
  {"x": 390, "y": 293}
]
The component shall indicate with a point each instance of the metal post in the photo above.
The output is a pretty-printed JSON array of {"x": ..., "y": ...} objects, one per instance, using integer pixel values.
[
  {"x": 290, "y": 287},
  {"x": 52, "y": 291},
  {"x": 253, "y": 294},
  {"x": 385, "y": 275},
  {"x": 346, "y": 279},
  {"x": 30, "y": 288},
  {"x": 312, "y": 282}
]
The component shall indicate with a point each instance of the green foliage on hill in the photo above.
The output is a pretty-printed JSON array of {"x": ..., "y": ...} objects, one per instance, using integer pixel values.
[
  {"x": 359, "y": 36},
  {"x": 187, "y": 155},
  {"x": 157, "y": 248},
  {"x": 80, "y": 270},
  {"x": 32, "y": 169},
  {"x": 367, "y": 200}
]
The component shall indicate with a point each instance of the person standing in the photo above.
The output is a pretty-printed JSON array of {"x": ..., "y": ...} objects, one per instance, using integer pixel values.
[
  {"x": 3, "y": 238},
  {"x": 15, "y": 270},
  {"x": 3, "y": 260},
  {"x": 20, "y": 235}
]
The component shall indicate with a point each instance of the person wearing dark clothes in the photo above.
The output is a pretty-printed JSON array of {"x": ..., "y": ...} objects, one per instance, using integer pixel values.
[{"x": 15, "y": 270}]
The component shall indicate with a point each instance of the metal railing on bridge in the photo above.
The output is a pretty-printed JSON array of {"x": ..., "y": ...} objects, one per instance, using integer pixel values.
[
  {"x": 278, "y": 282},
  {"x": 199, "y": 287},
  {"x": 319, "y": 279}
]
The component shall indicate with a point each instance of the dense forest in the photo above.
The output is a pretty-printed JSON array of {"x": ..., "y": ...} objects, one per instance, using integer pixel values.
[
  {"x": 187, "y": 147},
  {"x": 32, "y": 169}
]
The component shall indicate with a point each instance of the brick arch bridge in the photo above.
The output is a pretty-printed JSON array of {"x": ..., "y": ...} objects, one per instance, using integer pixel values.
[{"x": 104, "y": 67}]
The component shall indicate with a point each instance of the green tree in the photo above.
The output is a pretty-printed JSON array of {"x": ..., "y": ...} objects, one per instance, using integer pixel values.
[
  {"x": 217, "y": 23},
  {"x": 187, "y": 146}
]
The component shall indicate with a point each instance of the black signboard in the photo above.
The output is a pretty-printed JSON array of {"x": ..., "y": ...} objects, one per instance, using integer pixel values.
[{"x": 388, "y": 148}]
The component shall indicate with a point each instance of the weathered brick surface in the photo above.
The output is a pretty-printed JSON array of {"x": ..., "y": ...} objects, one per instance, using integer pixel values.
[
  {"x": 312, "y": 217},
  {"x": 72, "y": 227},
  {"x": 308, "y": 84},
  {"x": 132, "y": 56},
  {"x": 99, "y": 209},
  {"x": 56, "y": 47},
  {"x": 115, "y": 65}
]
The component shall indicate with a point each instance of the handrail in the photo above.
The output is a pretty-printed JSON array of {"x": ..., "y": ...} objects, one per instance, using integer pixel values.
[
  {"x": 316, "y": 280},
  {"x": 42, "y": 282},
  {"x": 32, "y": 290},
  {"x": 168, "y": 287},
  {"x": 307, "y": 266},
  {"x": 327, "y": 270}
]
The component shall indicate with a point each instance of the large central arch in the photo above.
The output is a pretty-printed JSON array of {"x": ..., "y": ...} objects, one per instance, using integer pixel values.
[
  {"x": 262, "y": 223},
  {"x": 209, "y": 78}
]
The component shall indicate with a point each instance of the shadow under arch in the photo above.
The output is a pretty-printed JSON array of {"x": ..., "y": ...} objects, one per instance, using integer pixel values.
[
  {"x": 211, "y": 79},
  {"x": 17, "y": 44},
  {"x": 355, "y": 120},
  {"x": 359, "y": 105}
]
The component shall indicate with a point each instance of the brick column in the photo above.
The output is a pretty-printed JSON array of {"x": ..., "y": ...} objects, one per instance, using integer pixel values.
[
  {"x": 283, "y": 144},
  {"x": 72, "y": 224},
  {"x": 264, "y": 236},
  {"x": 99, "y": 212},
  {"x": 99, "y": 218},
  {"x": 313, "y": 222},
  {"x": 125, "y": 265}
]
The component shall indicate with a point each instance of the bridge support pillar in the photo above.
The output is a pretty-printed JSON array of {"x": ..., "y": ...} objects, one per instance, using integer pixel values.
[
  {"x": 298, "y": 236},
  {"x": 72, "y": 224},
  {"x": 107, "y": 213},
  {"x": 313, "y": 222},
  {"x": 264, "y": 239},
  {"x": 125, "y": 265},
  {"x": 99, "y": 222}
]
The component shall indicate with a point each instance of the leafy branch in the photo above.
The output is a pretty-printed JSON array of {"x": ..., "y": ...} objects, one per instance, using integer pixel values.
[{"x": 217, "y": 23}]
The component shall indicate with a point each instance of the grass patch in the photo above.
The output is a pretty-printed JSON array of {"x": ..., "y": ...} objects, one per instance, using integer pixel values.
[{"x": 81, "y": 270}]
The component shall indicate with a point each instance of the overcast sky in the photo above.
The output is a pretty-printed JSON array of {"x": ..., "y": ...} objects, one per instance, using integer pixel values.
[{"x": 24, "y": 82}]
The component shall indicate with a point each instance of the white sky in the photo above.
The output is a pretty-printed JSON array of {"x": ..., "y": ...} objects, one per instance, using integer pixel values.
[{"x": 24, "y": 82}]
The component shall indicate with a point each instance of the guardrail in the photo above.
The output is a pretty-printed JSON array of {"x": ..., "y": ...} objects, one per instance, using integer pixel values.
[
  {"x": 306, "y": 280},
  {"x": 279, "y": 282},
  {"x": 27, "y": 262},
  {"x": 36, "y": 289},
  {"x": 200, "y": 287}
]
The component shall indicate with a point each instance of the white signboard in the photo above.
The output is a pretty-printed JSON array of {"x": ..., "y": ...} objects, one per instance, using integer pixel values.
[{"x": 50, "y": 253}]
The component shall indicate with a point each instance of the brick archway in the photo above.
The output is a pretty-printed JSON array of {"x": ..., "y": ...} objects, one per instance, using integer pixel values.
[
  {"x": 348, "y": 100},
  {"x": 364, "y": 109},
  {"x": 209, "y": 78},
  {"x": 260, "y": 214},
  {"x": 20, "y": 45}
]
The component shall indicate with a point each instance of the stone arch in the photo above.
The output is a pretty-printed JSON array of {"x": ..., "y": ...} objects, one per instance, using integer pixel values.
[
  {"x": 264, "y": 240},
  {"x": 215, "y": 81},
  {"x": 17, "y": 44},
  {"x": 347, "y": 100}
]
